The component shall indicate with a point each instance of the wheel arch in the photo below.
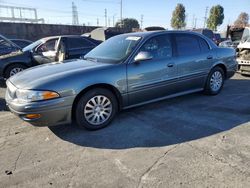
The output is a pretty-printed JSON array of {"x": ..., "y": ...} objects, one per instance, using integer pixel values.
[
  {"x": 223, "y": 67},
  {"x": 11, "y": 64},
  {"x": 109, "y": 87}
]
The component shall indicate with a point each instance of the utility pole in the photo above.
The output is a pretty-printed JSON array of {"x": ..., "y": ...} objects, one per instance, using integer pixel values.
[
  {"x": 106, "y": 18},
  {"x": 109, "y": 22},
  {"x": 205, "y": 18},
  {"x": 195, "y": 23},
  {"x": 121, "y": 14},
  {"x": 142, "y": 16},
  {"x": 186, "y": 20},
  {"x": 75, "y": 20},
  {"x": 97, "y": 22}
]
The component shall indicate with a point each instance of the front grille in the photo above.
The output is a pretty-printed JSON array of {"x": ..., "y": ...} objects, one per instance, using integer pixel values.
[{"x": 243, "y": 62}]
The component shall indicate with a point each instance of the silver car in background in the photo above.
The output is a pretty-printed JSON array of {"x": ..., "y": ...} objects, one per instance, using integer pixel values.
[{"x": 123, "y": 72}]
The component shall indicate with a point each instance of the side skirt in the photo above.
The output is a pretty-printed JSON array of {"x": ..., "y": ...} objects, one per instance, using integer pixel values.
[{"x": 163, "y": 98}]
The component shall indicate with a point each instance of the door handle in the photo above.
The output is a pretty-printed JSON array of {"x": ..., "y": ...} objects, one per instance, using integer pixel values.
[
  {"x": 210, "y": 57},
  {"x": 170, "y": 64}
]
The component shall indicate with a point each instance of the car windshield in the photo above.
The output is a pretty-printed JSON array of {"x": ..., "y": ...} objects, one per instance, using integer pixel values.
[
  {"x": 32, "y": 45},
  {"x": 114, "y": 50}
]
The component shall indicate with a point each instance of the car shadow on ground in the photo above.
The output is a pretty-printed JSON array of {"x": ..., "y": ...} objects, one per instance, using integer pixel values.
[
  {"x": 168, "y": 122},
  {"x": 2, "y": 84},
  {"x": 3, "y": 106}
]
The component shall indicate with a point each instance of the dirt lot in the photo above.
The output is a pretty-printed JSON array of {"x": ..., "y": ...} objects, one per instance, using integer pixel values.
[{"x": 190, "y": 141}]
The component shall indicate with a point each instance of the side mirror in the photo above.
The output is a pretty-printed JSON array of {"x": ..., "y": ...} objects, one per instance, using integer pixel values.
[{"x": 143, "y": 56}]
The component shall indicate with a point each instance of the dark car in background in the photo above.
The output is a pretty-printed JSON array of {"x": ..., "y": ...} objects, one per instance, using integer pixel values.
[
  {"x": 206, "y": 32},
  {"x": 22, "y": 43},
  {"x": 6, "y": 46},
  {"x": 46, "y": 50},
  {"x": 133, "y": 69},
  {"x": 217, "y": 38}
]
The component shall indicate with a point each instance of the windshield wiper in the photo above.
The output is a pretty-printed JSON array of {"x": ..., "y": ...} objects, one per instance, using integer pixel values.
[{"x": 91, "y": 59}]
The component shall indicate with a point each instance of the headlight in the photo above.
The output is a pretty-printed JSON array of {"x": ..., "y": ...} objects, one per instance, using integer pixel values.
[{"x": 25, "y": 96}]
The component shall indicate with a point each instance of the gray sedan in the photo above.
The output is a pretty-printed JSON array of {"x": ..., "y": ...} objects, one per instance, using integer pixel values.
[{"x": 123, "y": 72}]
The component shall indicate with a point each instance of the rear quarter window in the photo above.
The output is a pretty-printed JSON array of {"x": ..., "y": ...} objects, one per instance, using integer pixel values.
[{"x": 204, "y": 45}]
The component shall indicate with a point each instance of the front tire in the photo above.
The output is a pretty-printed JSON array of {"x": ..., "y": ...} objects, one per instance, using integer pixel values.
[
  {"x": 13, "y": 69},
  {"x": 215, "y": 81},
  {"x": 96, "y": 109}
]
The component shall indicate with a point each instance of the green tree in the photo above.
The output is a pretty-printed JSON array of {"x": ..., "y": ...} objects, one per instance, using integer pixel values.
[
  {"x": 242, "y": 19},
  {"x": 128, "y": 24},
  {"x": 216, "y": 17},
  {"x": 178, "y": 17}
]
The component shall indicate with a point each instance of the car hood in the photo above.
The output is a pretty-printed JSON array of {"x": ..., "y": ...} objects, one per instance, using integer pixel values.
[
  {"x": 39, "y": 75},
  {"x": 244, "y": 45},
  {"x": 11, "y": 54}
]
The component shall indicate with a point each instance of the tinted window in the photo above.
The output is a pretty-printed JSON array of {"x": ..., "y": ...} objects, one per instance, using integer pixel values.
[
  {"x": 159, "y": 47},
  {"x": 4, "y": 44},
  {"x": 187, "y": 45},
  {"x": 204, "y": 45},
  {"x": 78, "y": 43}
]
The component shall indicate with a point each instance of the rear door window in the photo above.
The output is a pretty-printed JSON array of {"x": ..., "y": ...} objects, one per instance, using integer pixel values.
[{"x": 187, "y": 45}]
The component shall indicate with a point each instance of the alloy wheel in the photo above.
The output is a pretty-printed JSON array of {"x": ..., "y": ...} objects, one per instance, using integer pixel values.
[
  {"x": 98, "y": 110},
  {"x": 15, "y": 71},
  {"x": 216, "y": 81}
]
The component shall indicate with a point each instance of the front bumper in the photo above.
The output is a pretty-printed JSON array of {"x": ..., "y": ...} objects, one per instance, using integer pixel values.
[
  {"x": 52, "y": 112},
  {"x": 243, "y": 66}
]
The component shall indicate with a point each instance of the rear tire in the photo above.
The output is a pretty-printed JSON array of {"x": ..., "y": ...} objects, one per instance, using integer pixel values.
[
  {"x": 13, "y": 69},
  {"x": 215, "y": 81},
  {"x": 96, "y": 109}
]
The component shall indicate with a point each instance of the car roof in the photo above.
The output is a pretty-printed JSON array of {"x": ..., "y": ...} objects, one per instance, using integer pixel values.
[
  {"x": 21, "y": 40},
  {"x": 152, "y": 33},
  {"x": 57, "y": 36},
  {"x": 155, "y": 33}
]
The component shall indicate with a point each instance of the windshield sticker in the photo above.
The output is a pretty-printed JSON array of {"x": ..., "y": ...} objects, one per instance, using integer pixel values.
[{"x": 133, "y": 38}]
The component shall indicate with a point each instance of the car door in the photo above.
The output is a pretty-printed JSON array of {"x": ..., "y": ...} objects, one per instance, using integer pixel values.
[
  {"x": 149, "y": 80},
  {"x": 47, "y": 52},
  {"x": 193, "y": 61},
  {"x": 78, "y": 47}
]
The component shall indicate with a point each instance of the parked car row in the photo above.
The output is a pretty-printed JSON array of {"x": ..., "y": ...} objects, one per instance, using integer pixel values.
[
  {"x": 14, "y": 59},
  {"x": 124, "y": 71}
]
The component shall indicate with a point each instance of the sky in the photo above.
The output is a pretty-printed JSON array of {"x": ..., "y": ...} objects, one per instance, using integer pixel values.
[{"x": 155, "y": 12}]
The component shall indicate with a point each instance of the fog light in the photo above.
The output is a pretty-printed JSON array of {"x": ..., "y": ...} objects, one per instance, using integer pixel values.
[{"x": 32, "y": 116}]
